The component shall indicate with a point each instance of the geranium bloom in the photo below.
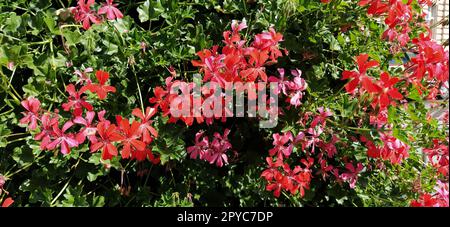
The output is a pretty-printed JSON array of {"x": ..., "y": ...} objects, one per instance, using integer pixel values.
[
  {"x": 438, "y": 156},
  {"x": 131, "y": 141},
  {"x": 296, "y": 88},
  {"x": 83, "y": 78},
  {"x": 108, "y": 135},
  {"x": 89, "y": 130},
  {"x": 321, "y": 118},
  {"x": 376, "y": 7},
  {"x": 329, "y": 147},
  {"x": 257, "y": 60},
  {"x": 425, "y": 200},
  {"x": 145, "y": 128},
  {"x": 393, "y": 149},
  {"x": 388, "y": 92},
  {"x": 201, "y": 146},
  {"x": 268, "y": 41},
  {"x": 110, "y": 10},
  {"x": 141, "y": 155},
  {"x": 101, "y": 89},
  {"x": 279, "y": 183},
  {"x": 76, "y": 102},
  {"x": 66, "y": 141},
  {"x": 361, "y": 77},
  {"x": 219, "y": 146},
  {"x": 283, "y": 83},
  {"x": 268, "y": 174},
  {"x": 32, "y": 105},
  {"x": 47, "y": 132},
  {"x": 352, "y": 175},
  {"x": 83, "y": 13},
  {"x": 282, "y": 145}
]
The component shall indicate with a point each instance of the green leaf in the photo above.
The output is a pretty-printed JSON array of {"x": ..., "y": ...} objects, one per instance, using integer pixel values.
[{"x": 150, "y": 10}]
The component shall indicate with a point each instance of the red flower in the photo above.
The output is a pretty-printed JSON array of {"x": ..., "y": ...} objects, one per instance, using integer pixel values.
[
  {"x": 66, "y": 141},
  {"x": 269, "y": 173},
  {"x": 7, "y": 202},
  {"x": 425, "y": 200},
  {"x": 361, "y": 77},
  {"x": 387, "y": 92},
  {"x": 376, "y": 6},
  {"x": 393, "y": 149},
  {"x": 32, "y": 105},
  {"x": 108, "y": 134},
  {"x": 159, "y": 100},
  {"x": 141, "y": 155},
  {"x": 131, "y": 141},
  {"x": 83, "y": 13},
  {"x": 257, "y": 59},
  {"x": 278, "y": 184},
  {"x": 101, "y": 89},
  {"x": 110, "y": 9},
  {"x": 268, "y": 41},
  {"x": 76, "y": 102},
  {"x": 145, "y": 129}
]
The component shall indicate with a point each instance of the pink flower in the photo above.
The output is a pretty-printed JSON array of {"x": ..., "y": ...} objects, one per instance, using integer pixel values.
[
  {"x": 83, "y": 13},
  {"x": 89, "y": 130},
  {"x": 83, "y": 78},
  {"x": 66, "y": 141},
  {"x": 281, "y": 145},
  {"x": 110, "y": 10},
  {"x": 296, "y": 88},
  {"x": 201, "y": 146},
  {"x": 212, "y": 152},
  {"x": 352, "y": 175},
  {"x": 47, "y": 132},
  {"x": 393, "y": 149},
  {"x": 321, "y": 118},
  {"x": 219, "y": 146},
  {"x": 32, "y": 105}
]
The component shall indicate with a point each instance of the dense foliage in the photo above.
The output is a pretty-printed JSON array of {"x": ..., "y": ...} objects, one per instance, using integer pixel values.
[{"x": 85, "y": 120}]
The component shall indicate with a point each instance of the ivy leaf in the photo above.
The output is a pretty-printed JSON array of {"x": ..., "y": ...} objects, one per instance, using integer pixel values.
[{"x": 150, "y": 10}]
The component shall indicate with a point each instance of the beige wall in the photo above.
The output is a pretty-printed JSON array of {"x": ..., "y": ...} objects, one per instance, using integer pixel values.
[{"x": 438, "y": 11}]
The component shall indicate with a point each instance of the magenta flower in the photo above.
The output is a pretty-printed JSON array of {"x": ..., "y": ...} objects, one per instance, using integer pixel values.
[
  {"x": 32, "y": 105},
  {"x": 110, "y": 10},
  {"x": 282, "y": 145},
  {"x": 65, "y": 141}
]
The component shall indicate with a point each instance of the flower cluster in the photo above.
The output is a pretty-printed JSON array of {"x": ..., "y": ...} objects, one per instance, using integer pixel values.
[
  {"x": 211, "y": 151},
  {"x": 427, "y": 71},
  {"x": 234, "y": 62},
  {"x": 85, "y": 13},
  {"x": 134, "y": 138},
  {"x": 237, "y": 62},
  {"x": 438, "y": 199},
  {"x": 438, "y": 156},
  {"x": 292, "y": 89},
  {"x": 317, "y": 150}
]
